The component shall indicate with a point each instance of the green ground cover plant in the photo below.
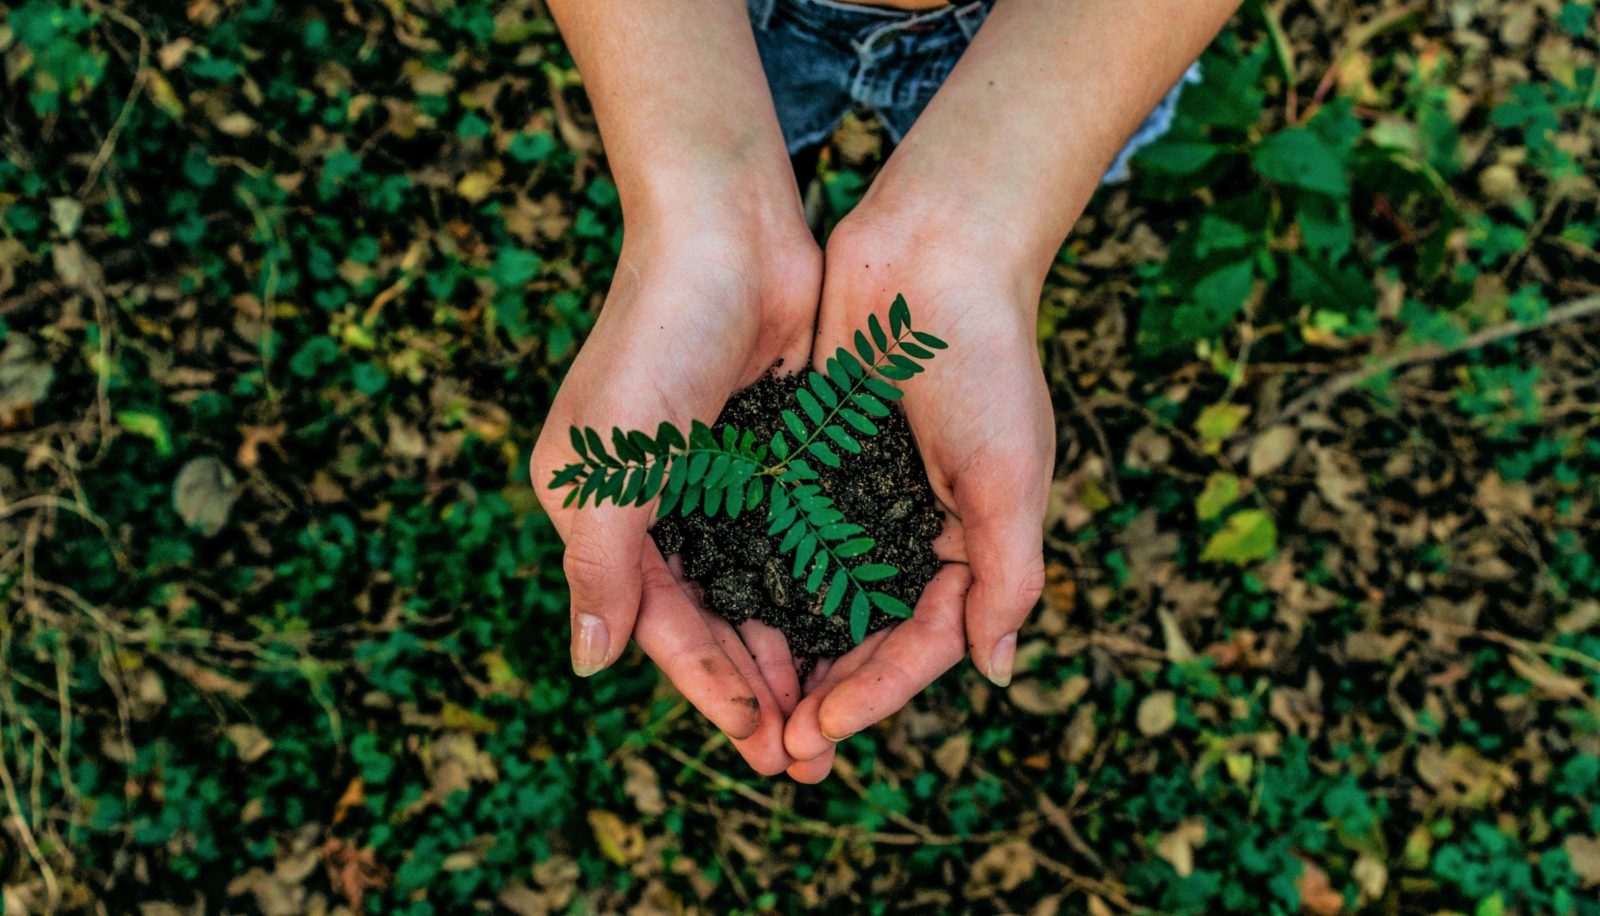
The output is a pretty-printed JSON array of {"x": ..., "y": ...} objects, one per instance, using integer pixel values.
[{"x": 284, "y": 289}]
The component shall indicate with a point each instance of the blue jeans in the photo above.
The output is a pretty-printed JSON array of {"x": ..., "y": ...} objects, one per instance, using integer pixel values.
[{"x": 824, "y": 58}]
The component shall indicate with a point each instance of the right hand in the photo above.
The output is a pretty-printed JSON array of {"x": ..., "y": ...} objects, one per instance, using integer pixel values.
[{"x": 702, "y": 305}]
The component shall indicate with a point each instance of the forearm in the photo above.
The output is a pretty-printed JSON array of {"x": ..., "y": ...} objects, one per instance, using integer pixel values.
[
  {"x": 682, "y": 102},
  {"x": 1017, "y": 139}
]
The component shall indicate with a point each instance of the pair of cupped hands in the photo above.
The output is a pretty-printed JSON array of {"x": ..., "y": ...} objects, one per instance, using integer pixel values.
[{"x": 708, "y": 298}]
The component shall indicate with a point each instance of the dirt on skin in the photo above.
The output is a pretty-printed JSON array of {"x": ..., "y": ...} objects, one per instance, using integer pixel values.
[{"x": 737, "y": 565}]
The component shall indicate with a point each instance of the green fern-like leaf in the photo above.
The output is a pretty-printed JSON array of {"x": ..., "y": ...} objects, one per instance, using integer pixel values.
[{"x": 731, "y": 473}]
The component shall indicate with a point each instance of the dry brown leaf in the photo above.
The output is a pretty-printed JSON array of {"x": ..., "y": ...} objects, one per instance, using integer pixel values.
[
  {"x": 644, "y": 787},
  {"x": 1003, "y": 867},
  {"x": 951, "y": 757},
  {"x": 1178, "y": 846},
  {"x": 1317, "y": 895},
  {"x": 251, "y": 741},
  {"x": 1157, "y": 713},
  {"x": 1584, "y": 851}
]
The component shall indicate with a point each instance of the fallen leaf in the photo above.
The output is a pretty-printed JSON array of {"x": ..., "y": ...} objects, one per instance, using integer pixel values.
[
  {"x": 644, "y": 787},
  {"x": 1317, "y": 895},
  {"x": 1178, "y": 846},
  {"x": 250, "y": 740},
  {"x": 951, "y": 757},
  {"x": 1271, "y": 450},
  {"x": 1247, "y": 535},
  {"x": 1157, "y": 713},
  {"x": 619, "y": 841},
  {"x": 1003, "y": 867},
  {"x": 204, "y": 494},
  {"x": 1584, "y": 853}
]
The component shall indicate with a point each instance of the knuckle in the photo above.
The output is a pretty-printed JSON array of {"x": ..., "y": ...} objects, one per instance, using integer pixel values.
[
  {"x": 1030, "y": 582},
  {"x": 585, "y": 569}
]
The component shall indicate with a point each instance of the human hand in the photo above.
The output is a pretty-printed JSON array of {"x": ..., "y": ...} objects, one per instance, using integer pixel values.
[
  {"x": 982, "y": 419},
  {"x": 703, "y": 304}
]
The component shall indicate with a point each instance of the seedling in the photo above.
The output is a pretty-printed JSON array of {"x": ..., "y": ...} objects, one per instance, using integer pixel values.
[{"x": 735, "y": 474}]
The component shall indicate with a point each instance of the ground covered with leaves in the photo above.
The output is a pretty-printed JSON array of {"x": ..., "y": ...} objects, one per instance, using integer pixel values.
[{"x": 285, "y": 289}]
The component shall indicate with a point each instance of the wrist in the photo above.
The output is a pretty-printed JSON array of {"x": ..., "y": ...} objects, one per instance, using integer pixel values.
[{"x": 947, "y": 240}]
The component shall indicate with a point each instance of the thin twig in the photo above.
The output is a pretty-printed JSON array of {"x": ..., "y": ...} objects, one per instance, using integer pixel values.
[{"x": 1571, "y": 311}]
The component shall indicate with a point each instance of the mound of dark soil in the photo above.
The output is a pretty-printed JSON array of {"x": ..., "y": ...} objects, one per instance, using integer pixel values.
[{"x": 884, "y": 489}]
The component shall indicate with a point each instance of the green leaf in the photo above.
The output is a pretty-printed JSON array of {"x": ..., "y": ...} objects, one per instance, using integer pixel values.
[
  {"x": 833, "y": 531},
  {"x": 719, "y": 468},
  {"x": 929, "y": 341},
  {"x": 818, "y": 570},
  {"x": 669, "y": 501},
  {"x": 860, "y": 615},
  {"x": 652, "y": 480},
  {"x": 597, "y": 449},
  {"x": 677, "y": 475},
  {"x": 882, "y": 389},
  {"x": 791, "y": 538},
  {"x": 878, "y": 336},
  {"x": 698, "y": 462},
  {"x": 1300, "y": 157},
  {"x": 809, "y": 405},
  {"x": 1171, "y": 157},
  {"x": 625, "y": 448},
  {"x": 1247, "y": 536},
  {"x": 1221, "y": 491},
  {"x": 870, "y": 404},
  {"x": 894, "y": 373},
  {"x": 889, "y": 604},
  {"x": 875, "y": 572},
  {"x": 823, "y": 390},
  {"x": 863, "y": 349},
  {"x": 796, "y": 426},
  {"x": 630, "y": 491},
  {"x": 854, "y": 548},
  {"x": 858, "y": 422},
  {"x": 843, "y": 439},
  {"x": 899, "y": 315},
  {"x": 823, "y": 454},
  {"x": 567, "y": 475},
  {"x": 908, "y": 347},
  {"x": 713, "y": 501},
  {"x": 577, "y": 442},
  {"x": 802, "y": 554},
  {"x": 753, "y": 494},
  {"x": 852, "y": 366},
  {"x": 782, "y": 521},
  {"x": 836, "y": 590}
]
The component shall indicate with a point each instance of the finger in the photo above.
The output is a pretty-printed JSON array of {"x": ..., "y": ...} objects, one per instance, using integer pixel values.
[
  {"x": 763, "y": 749},
  {"x": 912, "y": 657},
  {"x": 770, "y": 650},
  {"x": 803, "y": 737},
  {"x": 811, "y": 772},
  {"x": 819, "y": 673},
  {"x": 1003, "y": 531},
  {"x": 602, "y": 563},
  {"x": 677, "y": 636}
]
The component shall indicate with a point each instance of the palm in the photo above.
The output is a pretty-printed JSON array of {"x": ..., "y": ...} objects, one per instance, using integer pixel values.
[
  {"x": 983, "y": 423},
  {"x": 632, "y": 373}
]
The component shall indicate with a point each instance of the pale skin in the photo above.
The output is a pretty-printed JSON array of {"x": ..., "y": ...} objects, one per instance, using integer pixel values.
[{"x": 719, "y": 279}]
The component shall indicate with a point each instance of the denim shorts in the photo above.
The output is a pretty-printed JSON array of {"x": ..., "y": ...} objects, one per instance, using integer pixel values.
[{"x": 824, "y": 58}]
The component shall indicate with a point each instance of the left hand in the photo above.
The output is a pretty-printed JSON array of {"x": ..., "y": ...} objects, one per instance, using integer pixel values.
[{"x": 982, "y": 420}]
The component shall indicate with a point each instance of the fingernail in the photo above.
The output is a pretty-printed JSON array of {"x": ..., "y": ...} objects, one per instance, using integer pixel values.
[
  {"x": 590, "y": 644},
  {"x": 1005, "y": 654},
  {"x": 833, "y": 739}
]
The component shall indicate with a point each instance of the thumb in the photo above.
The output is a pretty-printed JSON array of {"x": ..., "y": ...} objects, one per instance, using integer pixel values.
[
  {"x": 604, "y": 548},
  {"x": 1004, "y": 533}
]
